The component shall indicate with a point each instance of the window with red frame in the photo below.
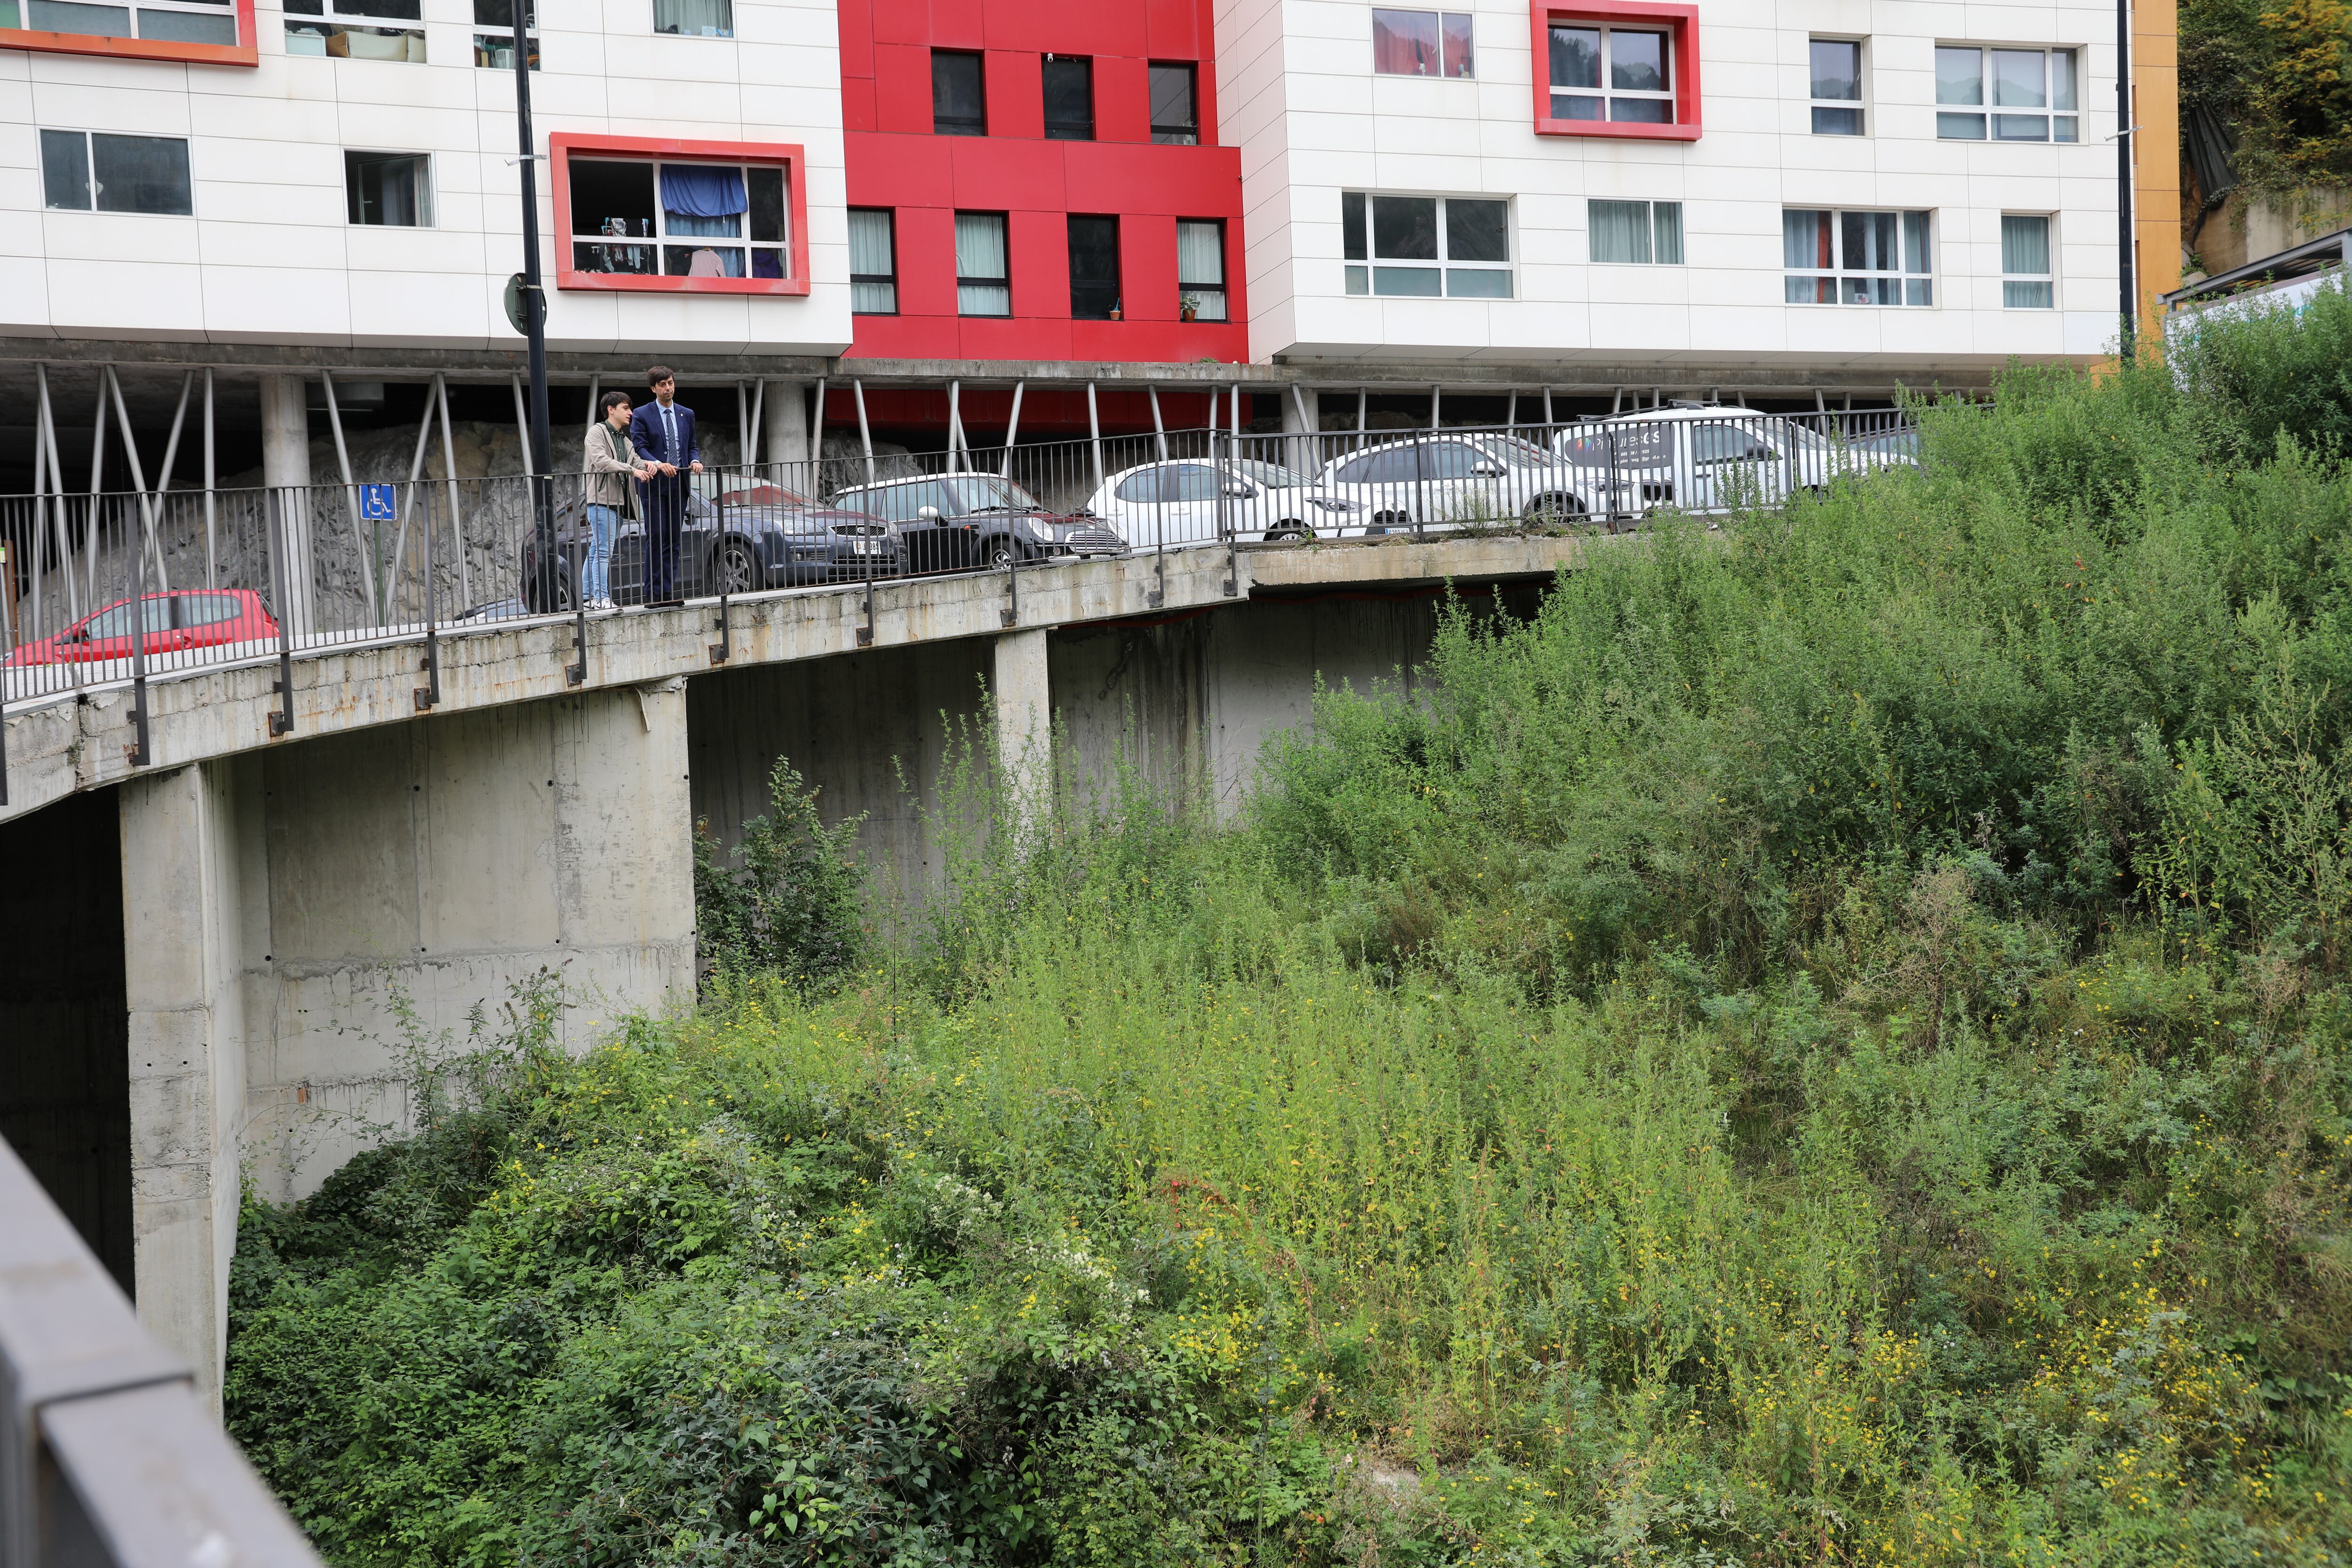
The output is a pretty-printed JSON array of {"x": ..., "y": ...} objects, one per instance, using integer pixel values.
[
  {"x": 680, "y": 219},
  {"x": 170, "y": 21},
  {"x": 1625, "y": 74}
]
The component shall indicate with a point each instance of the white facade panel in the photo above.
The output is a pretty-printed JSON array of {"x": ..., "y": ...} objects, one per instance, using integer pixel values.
[
  {"x": 1323, "y": 123},
  {"x": 270, "y": 254}
]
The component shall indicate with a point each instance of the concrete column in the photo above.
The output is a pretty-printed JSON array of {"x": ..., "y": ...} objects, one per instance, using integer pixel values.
[
  {"x": 181, "y": 904},
  {"x": 1297, "y": 454},
  {"x": 1022, "y": 692},
  {"x": 784, "y": 434},
  {"x": 285, "y": 468}
]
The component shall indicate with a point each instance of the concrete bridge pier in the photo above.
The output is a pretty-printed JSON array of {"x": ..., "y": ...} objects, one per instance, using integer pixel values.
[{"x": 274, "y": 902}]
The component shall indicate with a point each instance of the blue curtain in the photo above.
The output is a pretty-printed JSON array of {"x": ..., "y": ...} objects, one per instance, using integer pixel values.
[{"x": 702, "y": 192}]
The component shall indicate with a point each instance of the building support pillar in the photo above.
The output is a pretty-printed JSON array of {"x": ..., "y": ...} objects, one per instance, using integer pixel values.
[
  {"x": 1023, "y": 695},
  {"x": 182, "y": 963},
  {"x": 784, "y": 435}
]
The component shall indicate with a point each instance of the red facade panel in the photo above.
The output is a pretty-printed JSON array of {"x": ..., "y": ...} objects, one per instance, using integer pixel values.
[{"x": 896, "y": 162}]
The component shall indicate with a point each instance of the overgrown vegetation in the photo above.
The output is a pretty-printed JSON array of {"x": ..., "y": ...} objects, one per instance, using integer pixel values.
[
  {"x": 1828, "y": 1045},
  {"x": 2279, "y": 73}
]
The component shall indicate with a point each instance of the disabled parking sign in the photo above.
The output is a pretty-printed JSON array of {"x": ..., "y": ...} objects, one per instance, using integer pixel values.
[{"x": 375, "y": 503}]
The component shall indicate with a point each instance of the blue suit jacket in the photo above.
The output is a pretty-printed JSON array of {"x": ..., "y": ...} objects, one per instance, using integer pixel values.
[{"x": 646, "y": 434}]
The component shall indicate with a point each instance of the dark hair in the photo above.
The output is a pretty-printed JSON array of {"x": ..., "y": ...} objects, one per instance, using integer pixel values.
[
  {"x": 606, "y": 404},
  {"x": 658, "y": 373}
]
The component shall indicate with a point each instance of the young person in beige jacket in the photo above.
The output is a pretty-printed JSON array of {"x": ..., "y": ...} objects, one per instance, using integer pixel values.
[{"x": 612, "y": 463}]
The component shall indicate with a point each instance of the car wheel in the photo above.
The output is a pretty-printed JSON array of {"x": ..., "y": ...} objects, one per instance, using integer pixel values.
[
  {"x": 1554, "y": 511},
  {"x": 735, "y": 569},
  {"x": 1004, "y": 553},
  {"x": 1289, "y": 530}
]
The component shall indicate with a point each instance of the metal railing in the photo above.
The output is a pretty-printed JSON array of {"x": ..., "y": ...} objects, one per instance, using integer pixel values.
[
  {"x": 114, "y": 588},
  {"x": 106, "y": 1454}
]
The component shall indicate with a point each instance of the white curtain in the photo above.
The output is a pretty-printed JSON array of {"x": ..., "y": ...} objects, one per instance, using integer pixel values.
[
  {"x": 701, "y": 18},
  {"x": 870, "y": 256},
  {"x": 2025, "y": 244},
  {"x": 1668, "y": 228},
  {"x": 1620, "y": 230},
  {"x": 979, "y": 256}
]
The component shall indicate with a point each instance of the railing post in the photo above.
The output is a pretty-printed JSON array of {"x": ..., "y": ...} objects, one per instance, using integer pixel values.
[
  {"x": 430, "y": 692},
  {"x": 543, "y": 506},
  {"x": 139, "y": 753},
  {"x": 274, "y": 514}
]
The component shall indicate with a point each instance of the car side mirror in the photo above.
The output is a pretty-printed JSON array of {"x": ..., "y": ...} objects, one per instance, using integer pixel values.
[
  {"x": 1239, "y": 490},
  {"x": 927, "y": 513},
  {"x": 1761, "y": 454},
  {"x": 1488, "y": 470}
]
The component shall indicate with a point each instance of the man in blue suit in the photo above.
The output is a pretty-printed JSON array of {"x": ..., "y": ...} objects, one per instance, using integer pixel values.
[{"x": 663, "y": 433}]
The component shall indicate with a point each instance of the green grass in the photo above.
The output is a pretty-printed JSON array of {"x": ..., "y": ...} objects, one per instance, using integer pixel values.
[{"x": 1828, "y": 1045}]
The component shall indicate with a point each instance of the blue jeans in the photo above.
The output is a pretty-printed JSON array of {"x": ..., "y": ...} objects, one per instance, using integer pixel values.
[{"x": 594, "y": 584}]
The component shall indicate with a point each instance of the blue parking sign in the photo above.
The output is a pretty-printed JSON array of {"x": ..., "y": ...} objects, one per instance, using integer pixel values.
[{"x": 375, "y": 503}]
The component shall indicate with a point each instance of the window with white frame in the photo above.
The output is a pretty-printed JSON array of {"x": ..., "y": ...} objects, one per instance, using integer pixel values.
[
  {"x": 983, "y": 275},
  {"x": 87, "y": 170},
  {"x": 1420, "y": 43},
  {"x": 1429, "y": 247},
  {"x": 177, "y": 21},
  {"x": 2032, "y": 94},
  {"x": 1836, "y": 86},
  {"x": 356, "y": 29},
  {"x": 873, "y": 262},
  {"x": 1201, "y": 268},
  {"x": 1625, "y": 74},
  {"x": 494, "y": 34},
  {"x": 694, "y": 18},
  {"x": 1856, "y": 258},
  {"x": 1642, "y": 233},
  {"x": 2027, "y": 282},
  {"x": 679, "y": 220},
  {"x": 392, "y": 190}
]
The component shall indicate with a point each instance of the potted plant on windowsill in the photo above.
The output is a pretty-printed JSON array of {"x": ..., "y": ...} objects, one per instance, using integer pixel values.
[{"x": 1188, "y": 308}]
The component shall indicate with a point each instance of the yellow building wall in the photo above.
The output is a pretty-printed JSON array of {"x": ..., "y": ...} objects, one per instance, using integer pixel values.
[{"x": 2156, "y": 148}]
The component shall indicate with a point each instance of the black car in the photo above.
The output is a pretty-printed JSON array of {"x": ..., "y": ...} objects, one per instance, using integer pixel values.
[
  {"x": 953, "y": 521},
  {"x": 759, "y": 536}
]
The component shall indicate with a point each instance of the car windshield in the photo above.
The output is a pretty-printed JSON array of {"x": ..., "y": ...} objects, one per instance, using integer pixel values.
[
  {"x": 988, "y": 492},
  {"x": 1517, "y": 453},
  {"x": 1647, "y": 444},
  {"x": 1273, "y": 476}
]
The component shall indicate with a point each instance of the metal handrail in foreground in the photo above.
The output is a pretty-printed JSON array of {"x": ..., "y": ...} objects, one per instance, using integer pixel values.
[{"x": 106, "y": 1454}]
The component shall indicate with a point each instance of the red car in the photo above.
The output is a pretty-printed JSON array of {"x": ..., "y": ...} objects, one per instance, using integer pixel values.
[{"x": 174, "y": 622}]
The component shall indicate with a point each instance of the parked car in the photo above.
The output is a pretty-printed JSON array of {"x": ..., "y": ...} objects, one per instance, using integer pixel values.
[
  {"x": 1708, "y": 457},
  {"x": 740, "y": 541},
  {"x": 951, "y": 520},
  {"x": 1452, "y": 478},
  {"x": 1177, "y": 501},
  {"x": 174, "y": 622}
]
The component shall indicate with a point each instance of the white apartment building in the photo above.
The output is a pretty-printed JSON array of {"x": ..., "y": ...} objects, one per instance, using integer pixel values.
[
  {"x": 357, "y": 185},
  {"x": 1679, "y": 193}
]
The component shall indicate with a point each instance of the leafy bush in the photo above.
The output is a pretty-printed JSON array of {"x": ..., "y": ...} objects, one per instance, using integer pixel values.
[{"x": 790, "y": 906}]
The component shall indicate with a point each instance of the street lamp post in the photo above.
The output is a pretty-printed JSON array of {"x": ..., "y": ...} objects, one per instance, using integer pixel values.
[
  {"x": 2127, "y": 302},
  {"x": 534, "y": 322}
]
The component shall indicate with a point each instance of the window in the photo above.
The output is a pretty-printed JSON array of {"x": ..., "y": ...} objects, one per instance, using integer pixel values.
[
  {"x": 1461, "y": 246},
  {"x": 1837, "y": 87},
  {"x": 983, "y": 282},
  {"x": 1382, "y": 466},
  {"x": 353, "y": 30},
  {"x": 2033, "y": 94},
  {"x": 1069, "y": 99},
  {"x": 494, "y": 48},
  {"x": 1201, "y": 268},
  {"x": 873, "y": 263},
  {"x": 679, "y": 220},
  {"x": 1093, "y": 267},
  {"x": 694, "y": 18},
  {"x": 958, "y": 101},
  {"x": 1612, "y": 73},
  {"x": 1175, "y": 106},
  {"x": 2026, "y": 283},
  {"x": 1856, "y": 258},
  {"x": 87, "y": 170},
  {"x": 1420, "y": 43},
  {"x": 172, "y": 21},
  {"x": 392, "y": 189},
  {"x": 1644, "y": 233}
]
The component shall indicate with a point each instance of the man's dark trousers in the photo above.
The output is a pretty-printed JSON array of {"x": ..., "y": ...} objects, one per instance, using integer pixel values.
[{"x": 664, "y": 496}]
